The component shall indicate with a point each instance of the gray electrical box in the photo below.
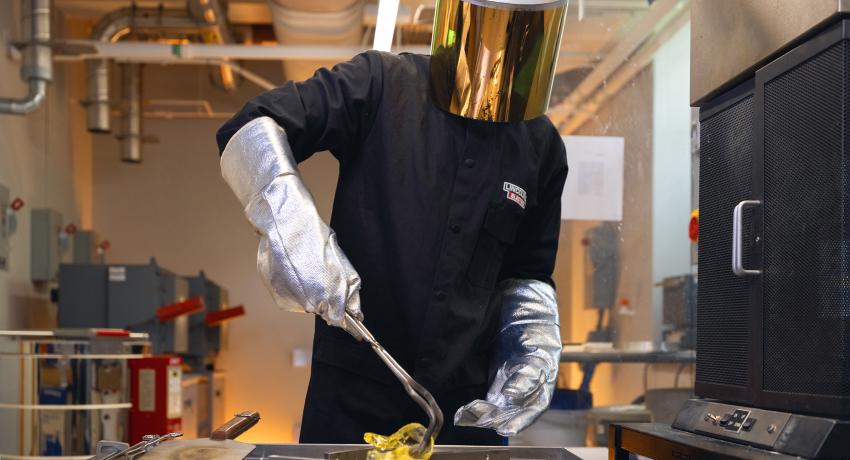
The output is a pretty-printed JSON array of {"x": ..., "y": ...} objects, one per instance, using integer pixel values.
[
  {"x": 85, "y": 247},
  {"x": 124, "y": 297},
  {"x": 45, "y": 228},
  {"x": 82, "y": 296},
  {"x": 204, "y": 340},
  {"x": 134, "y": 294},
  {"x": 5, "y": 227},
  {"x": 679, "y": 308}
]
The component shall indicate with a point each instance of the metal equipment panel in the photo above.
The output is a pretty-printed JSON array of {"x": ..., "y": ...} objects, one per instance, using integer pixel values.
[
  {"x": 45, "y": 227},
  {"x": 4, "y": 237},
  {"x": 803, "y": 100},
  {"x": 727, "y": 142},
  {"x": 82, "y": 296}
]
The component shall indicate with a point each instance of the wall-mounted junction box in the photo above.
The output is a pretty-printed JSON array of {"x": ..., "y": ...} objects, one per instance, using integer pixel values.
[
  {"x": 5, "y": 227},
  {"x": 85, "y": 247},
  {"x": 45, "y": 230}
]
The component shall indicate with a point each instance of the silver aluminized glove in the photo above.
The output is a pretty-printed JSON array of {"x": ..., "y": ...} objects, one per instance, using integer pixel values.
[
  {"x": 298, "y": 258},
  {"x": 528, "y": 351}
]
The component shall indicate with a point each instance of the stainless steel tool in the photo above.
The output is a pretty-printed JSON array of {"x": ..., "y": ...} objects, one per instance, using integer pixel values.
[
  {"x": 219, "y": 446},
  {"x": 121, "y": 450},
  {"x": 416, "y": 391}
]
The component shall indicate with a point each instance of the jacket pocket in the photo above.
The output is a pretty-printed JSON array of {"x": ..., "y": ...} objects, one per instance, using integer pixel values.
[{"x": 497, "y": 233}]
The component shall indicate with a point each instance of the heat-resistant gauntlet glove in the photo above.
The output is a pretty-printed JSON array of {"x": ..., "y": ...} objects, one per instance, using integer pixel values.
[
  {"x": 298, "y": 258},
  {"x": 528, "y": 350}
]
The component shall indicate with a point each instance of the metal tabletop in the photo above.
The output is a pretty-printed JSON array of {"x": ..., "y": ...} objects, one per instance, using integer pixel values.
[
  {"x": 623, "y": 356},
  {"x": 661, "y": 441},
  {"x": 354, "y": 452}
]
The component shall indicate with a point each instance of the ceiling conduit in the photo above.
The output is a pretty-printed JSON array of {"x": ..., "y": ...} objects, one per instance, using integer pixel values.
[
  {"x": 111, "y": 29},
  {"x": 211, "y": 13},
  {"x": 326, "y": 22},
  {"x": 37, "y": 68}
]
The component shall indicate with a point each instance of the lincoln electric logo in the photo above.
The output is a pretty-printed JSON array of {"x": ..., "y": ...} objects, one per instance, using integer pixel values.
[{"x": 515, "y": 193}]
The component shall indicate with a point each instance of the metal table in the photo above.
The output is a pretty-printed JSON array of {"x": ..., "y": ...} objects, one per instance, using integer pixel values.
[
  {"x": 662, "y": 442},
  {"x": 355, "y": 452},
  {"x": 588, "y": 359},
  {"x": 623, "y": 356}
]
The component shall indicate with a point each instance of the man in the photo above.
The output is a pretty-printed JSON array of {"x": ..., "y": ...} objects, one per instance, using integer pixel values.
[{"x": 446, "y": 221}]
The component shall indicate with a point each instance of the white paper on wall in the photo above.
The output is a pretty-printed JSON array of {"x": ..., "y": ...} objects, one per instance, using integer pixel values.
[{"x": 594, "y": 188}]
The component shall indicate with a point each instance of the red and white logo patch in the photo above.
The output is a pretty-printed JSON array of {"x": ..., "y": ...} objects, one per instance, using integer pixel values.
[{"x": 515, "y": 193}]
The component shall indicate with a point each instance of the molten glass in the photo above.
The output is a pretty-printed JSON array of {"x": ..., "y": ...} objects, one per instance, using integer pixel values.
[{"x": 400, "y": 445}]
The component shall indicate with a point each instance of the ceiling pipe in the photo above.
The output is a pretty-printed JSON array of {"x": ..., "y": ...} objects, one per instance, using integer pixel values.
[
  {"x": 246, "y": 74},
  {"x": 311, "y": 22},
  {"x": 131, "y": 135},
  {"x": 211, "y": 13},
  {"x": 166, "y": 53},
  {"x": 618, "y": 56},
  {"x": 37, "y": 68},
  {"x": 112, "y": 28}
]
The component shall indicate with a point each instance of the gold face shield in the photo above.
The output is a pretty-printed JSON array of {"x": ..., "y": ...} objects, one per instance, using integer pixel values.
[{"x": 494, "y": 60}]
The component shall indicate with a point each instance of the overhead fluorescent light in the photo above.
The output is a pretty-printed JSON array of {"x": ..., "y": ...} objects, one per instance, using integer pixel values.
[{"x": 385, "y": 27}]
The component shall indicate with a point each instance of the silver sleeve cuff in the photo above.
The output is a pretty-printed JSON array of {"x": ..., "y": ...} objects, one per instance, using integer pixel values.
[
  {"x": 257, "y": 154},
  {"x": 298, "y": 258}
]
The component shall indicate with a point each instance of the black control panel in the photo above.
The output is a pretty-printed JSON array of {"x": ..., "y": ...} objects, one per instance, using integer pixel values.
[
  {"x": 737, "y": 421},
  {"x": 752, "y": 426}
]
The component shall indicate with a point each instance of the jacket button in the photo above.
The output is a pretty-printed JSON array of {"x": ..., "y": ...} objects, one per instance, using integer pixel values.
[
  {"x": 440, "y": 295},
  {"x": 455, "y": 228},
  {"x": 469, "y": 162}
]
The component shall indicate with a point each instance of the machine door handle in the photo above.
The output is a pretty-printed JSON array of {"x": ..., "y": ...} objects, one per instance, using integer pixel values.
[{"x": 737, "y": 239}]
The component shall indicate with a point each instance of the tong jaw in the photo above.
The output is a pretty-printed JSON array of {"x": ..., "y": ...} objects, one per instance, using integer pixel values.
[
  {"x": 110, "y": 450},
  {"x": 416, "y": 391}
]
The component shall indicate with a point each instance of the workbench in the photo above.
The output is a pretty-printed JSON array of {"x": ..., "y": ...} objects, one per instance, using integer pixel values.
[
  {"x": 660, "y": 441},
  {"x": 624, "y": 356}
]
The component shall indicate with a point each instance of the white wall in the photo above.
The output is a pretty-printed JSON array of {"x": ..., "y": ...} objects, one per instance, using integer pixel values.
[
  {"x": 175, "y": 207},
  {"x": 653, "y": 115},
  {"x": 671, "y": 163},
  {"x": 37, "y": 164}
]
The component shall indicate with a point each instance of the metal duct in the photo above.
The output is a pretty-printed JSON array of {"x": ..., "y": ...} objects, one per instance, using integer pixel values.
[
  {"x": 131, "y": 136},
  {"x": 110, "y": 29},
  {"x": 37, "y": 68},
  {"x": 211, "y": 13},
  {"x": 337, "y": 22}
]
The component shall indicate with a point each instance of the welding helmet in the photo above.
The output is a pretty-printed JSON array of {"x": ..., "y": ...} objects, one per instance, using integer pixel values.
[{"x": 494, "y": 60}]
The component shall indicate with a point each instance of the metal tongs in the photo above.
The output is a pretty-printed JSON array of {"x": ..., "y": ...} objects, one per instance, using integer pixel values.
[
  {"x": 414, "y": 389},
  {"x": 148, "y": 442}
]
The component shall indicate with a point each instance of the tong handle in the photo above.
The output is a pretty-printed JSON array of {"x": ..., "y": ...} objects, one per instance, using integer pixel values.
[{"x": 239, "y": 424}]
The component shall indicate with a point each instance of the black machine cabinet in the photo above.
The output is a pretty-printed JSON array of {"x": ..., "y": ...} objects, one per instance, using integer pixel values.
[
  {"x": 727, "y": 147},
  {"x": 776, "y": 335}
]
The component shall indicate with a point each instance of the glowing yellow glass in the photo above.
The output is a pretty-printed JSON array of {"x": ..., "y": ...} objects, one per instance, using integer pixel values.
[
  {"x": 398, "y": 445},
  {"x": 495, "y": 63}
]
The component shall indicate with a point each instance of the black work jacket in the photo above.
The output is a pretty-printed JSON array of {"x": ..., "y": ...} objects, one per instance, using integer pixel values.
[{"x": 432, "y": 210}]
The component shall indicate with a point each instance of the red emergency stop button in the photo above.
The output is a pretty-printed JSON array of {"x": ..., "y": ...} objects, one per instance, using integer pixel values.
[{"x": 693, "y": 226}]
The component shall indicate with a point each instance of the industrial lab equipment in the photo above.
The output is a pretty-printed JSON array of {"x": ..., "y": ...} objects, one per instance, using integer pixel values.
[
  {"x": 678, "y": 306},
  {"x": 63, "y": 390},
  {"x": 156, "y": 390},
  {"x": 128, "y": 296},
  {"x": 773, "y": 347},
  {"x": 8, "y": 223},
  {"x": 222, "y": 443},
  {"x": 205, "y": 331},
  {"x": 86, "y": 247},
  {"x": 184, "y": 316},
  {"x": 45, "y": 244}
]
